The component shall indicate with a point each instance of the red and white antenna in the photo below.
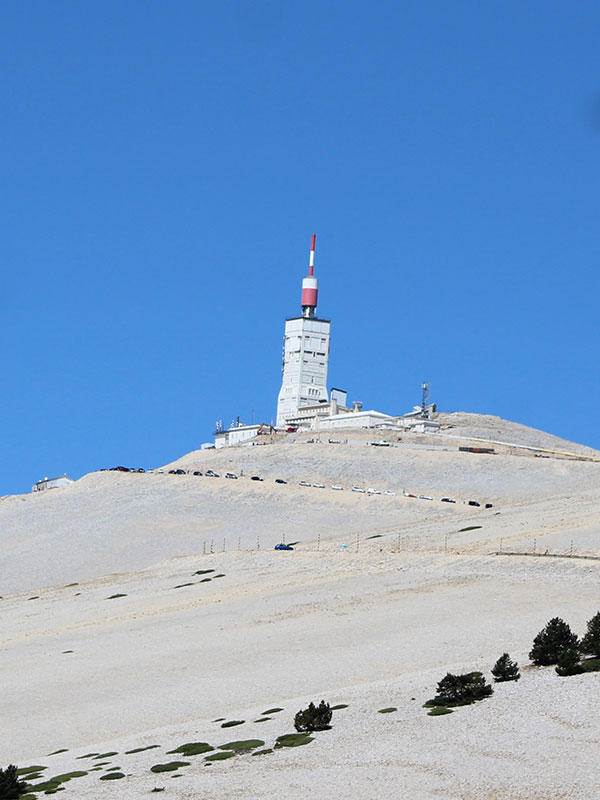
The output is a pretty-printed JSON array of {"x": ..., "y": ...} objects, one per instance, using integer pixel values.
[{"x": 310, "y": 284}]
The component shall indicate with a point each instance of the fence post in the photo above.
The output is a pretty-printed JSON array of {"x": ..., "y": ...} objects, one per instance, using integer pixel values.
[
  {"x": 203, "y": 548},
  {"x": 446, "y": 543},
  {"x": 224, "y": 540},
  {"x": 501, "y": 545},
  {"x": 258, "y": 542},
  {"x": 318, "y": 540},
  {"x": 212, "y": 550},
  {"x": 534, "y": 544},
  {"x": 571, "y": 551},
  {"x": 239, "y": 543},
  {"x": 283, "y": 538},
  {"x": 357, "y": 541},
  {"x": 398, "y": 544}
]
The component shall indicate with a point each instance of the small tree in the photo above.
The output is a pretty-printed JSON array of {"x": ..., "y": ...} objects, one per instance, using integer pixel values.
[
  {"x": 591, "y": 641},
  {"x": 314, "y": 718},
  {"x": 569, "y": 663},
  {"x": 460, "y": 690},
  {"x": 505, "y": 670},
  {"x": 552, "y": 641},
  {"x": 11, "y": 788}
]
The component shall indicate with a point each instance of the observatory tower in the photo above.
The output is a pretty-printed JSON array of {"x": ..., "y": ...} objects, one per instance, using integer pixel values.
[{"x": 305, "y": 352}]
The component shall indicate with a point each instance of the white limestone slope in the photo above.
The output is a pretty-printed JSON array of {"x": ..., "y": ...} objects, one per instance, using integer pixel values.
[{"x": 373, "y": 624}]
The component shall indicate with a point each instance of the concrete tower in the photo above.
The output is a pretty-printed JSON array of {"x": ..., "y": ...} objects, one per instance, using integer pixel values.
[{"x": 305, "y": 352}]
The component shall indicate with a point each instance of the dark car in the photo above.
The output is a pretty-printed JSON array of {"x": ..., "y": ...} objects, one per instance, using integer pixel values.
[
  {"x": 120, "y": 469},
  {"x": 447, "y": 500},
  {"x": 255, "y": 478},
  {"x": 197, "y": 472},
  {"x": 141, "y": 469},
  {"x": 489, "y": 505},
  {"x": 473, "y": 503},
  {"x": 231, "y": 476},
  {"x": 172, "y": 472},
  {"x": 210, "y": 474},
  {"x": 282, "y": 546},
  {"x": 180, "y": 472},
  {"x": 280, "y": 480}
]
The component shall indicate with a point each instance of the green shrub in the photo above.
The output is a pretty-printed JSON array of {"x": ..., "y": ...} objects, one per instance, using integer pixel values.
[
  {"x": 569, "y": 664},
  {"x": 591, "y": 641},
  {"x": 551, "y": 642},
  {"x": 11, "y": 788},
  {"x": 438, "y": 711},
  {"x": 314, "y": 718},
  {"x": 461, "y": 690},
  {"x": 591, "y": 665},
  {"x": 505, "y": 670},
  {"x": 387, "y": 710}
]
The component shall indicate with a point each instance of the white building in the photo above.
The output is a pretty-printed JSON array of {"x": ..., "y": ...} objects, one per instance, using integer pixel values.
[
  {"x": 52, "y": 483},
  {"x": 305, "y": 353}
]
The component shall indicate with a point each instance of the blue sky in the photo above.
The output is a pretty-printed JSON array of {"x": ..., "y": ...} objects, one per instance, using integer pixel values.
[{"x": 164, "y": 164}]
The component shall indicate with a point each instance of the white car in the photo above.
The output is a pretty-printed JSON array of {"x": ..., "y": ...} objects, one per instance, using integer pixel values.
[
  {"x": 318, "y": 485},
  {"x": 303, "y": 483},
  {"x": 425, "y": 497},
  {"x": 358, "y": 489},
  {"x": 338, "y": 488},
  {"x": 390, "y": 494},
  {"x": 373, "y": 491}
]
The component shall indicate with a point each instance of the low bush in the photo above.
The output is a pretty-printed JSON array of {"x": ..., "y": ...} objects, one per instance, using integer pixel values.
[
  {"x": 461, "y": 690},
  {"x": 569, "y": 663},
  {"x": 314, "y": 718},
  {"x": 438, "y": 711},
  {"x": 591, "y": 641}
]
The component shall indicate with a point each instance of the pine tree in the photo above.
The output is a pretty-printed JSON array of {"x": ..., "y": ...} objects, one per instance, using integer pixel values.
[
  {"x": 569, "y": 664},
  {"x": 314, "y": 718},
  {"x": 460, "y": 690},
  {"x": 11, "y": 788},
  {"x": 591, "y": 641},
  {"x": 552, "y": 641},
  {"x": 505, "y": 670}
]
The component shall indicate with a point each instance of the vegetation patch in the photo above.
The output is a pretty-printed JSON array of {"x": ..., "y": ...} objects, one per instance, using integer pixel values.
[
  {"x": 112, "y": 776},
  {"x": 170, "y": 766},
  {"x": 114, "y": 596},
  {"x": 219, "y": 719},
  {"x": 272, "y": 711},
  {"x": 203, "y": 572},
  {"x": 56, "y": 752},
  {"x": 293, "y": 740},
  {"x": 505, "y": 670},
  {"x": 114, "y": 769},
  {"x": 552, "y": 641},
  {"x": 29, "y": 770},
  {"x": 263, "y": 752},
  {"x": 219, "y": 576},
  {"x": 11, "y": 786},
  {"x": 106, "y": 755},
  {"x": 87, "y": 755},
  {"x": 220, "y": 756},
  {"x": 313, "y": 718},
  {"x": 181, "y": 585},
  {"x": 339, "y": 706},
  {"x": 263, "y": 719},
  {"x": 232, "y": 723},
  {"x": 54, "y": 784},
  {"x": 205, "y": 580},
  {"x": 35, "y": 597},
  {"x": 375, "y": 536},
  {"x": 158, "y": 789},
  {"x": 141, "y": 749},
  {"x": 438, "y": 711},
  {"x": 461, "y": 690},
  {"x": 66, "y": 651},
  {"x": 387, "y": 710},
  {"x": 470, "y": 528},
  {"x": 243, "y": 744},
  {"x": 192, "y": 749},
  {"x": 591, "y": 665}
]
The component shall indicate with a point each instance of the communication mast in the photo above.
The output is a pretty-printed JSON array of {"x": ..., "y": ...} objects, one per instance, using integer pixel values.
[{"x": 425, "y": 400}]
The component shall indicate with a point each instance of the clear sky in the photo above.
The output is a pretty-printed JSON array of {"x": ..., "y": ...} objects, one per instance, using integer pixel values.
[{"x": 163, "y": 165}]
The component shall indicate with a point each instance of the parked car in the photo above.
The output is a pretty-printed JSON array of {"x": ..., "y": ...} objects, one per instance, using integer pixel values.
[
  {"x": 141, "y": 469},
  {"x": 337, "y": 488},
  {"x": 373, "y": 491},
  {"x": 120, "y": 469},
  {"x": 409, "y": 494},
  {"x": 172, "y": 472},
  {"x": 489, "y": 505},
  {"x": 381, "y": 443},
  {"x": 210, "y": 474},
  {"x": 280, "y": 480},
  {"x": 390, "y": 494},
  {"x": 255, "y": 478},
  {"x": 473, "y": 503},
  {"x": 358, "y": 489},
  {"x": 282, "y": 546},
  {"x": 197, "y": 472},
  {"x": 425, "y": 497},
  {"x": 231, "y": 475},
  {"x": 318, "y": 485},
  {"x": 303, "y": 483},
  {"x": 180, "y": 472},
  {"x": 447, "y": 500}
]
